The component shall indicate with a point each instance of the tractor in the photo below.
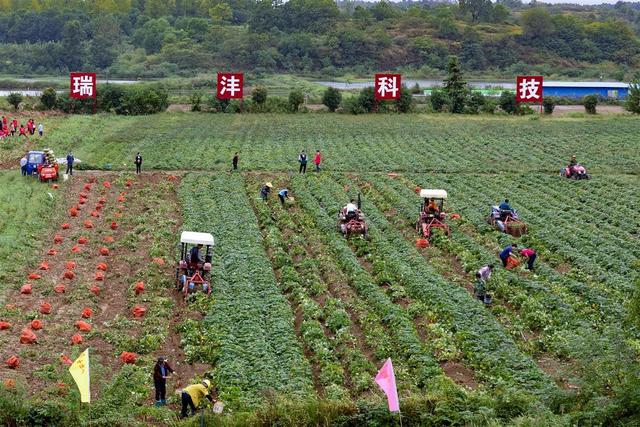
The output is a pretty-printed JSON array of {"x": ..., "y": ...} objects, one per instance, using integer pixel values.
[
  {"x": 507, "y": 221},
  {"x": 576, "y": 172},
  {"x": 352, "y": 222},
  {"x": 193, "y": 270},
  {"x": 432, "y": 213},
  {"x": 43, "y": 164}
]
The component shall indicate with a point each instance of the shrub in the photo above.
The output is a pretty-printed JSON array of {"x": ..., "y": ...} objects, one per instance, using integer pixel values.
[
  {"x": 14, "y": 99},
  {"x": 196, "y": 101},
  {"x": 296, "y": 98},
  {"x": 110, "y": 96},
  {"x": 507, "y": 102},
  {"x": 49, "y": 98},
  {"x": 259, "y": 95},
  {"x": 590, "y": 102},
  {"x": 549, "y": 103},
  {"x": 474, "y": 103},
  {"x": 438, "y": 100},
  {"x": 332, "y": 98},
  {"x": 633, "y": 99},
  {"x": 406, "y": 103},
  {"x": 216, "y": 105},
  {"x": 142, "y": 99}
]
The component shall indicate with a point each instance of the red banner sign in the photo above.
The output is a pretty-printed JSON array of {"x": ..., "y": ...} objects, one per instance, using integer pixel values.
[
  {"x": 387, "y": 86},
  {"x": 529, "y": 89},
  {"x": 83, "y": 85},
  {"x": 230, "y": 86}
]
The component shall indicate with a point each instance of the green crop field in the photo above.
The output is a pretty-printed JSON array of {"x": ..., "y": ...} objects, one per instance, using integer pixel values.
[{"x": 300, "y": 319}]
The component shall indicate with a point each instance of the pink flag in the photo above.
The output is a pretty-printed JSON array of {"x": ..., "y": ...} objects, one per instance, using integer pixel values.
[{"x": 387, "y": 382}]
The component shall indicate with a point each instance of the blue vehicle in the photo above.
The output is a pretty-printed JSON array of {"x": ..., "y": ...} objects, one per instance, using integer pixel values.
[{"x": 34, "y": 159}]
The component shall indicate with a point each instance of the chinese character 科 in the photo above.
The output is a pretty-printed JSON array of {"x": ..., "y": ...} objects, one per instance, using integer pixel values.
[
  {"x": 83, "y": 85},
  {"x": 231, "y": 85},
  {"x": 387, "y": 85},
  {"x": 529, "y": 89}
]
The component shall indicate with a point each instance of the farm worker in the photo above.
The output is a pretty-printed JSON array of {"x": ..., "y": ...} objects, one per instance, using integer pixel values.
[
  {"x": 191, "y": 396},
  {"x": 40, "y": 129},
  {"x": 572, "y": 165},
  {"x": 13, "y": 128},
  {"x": 504, "y": 206},
  {"x": 302, "y": 158},
  {"x": 479, "y": 287},
  {"x": 234, "y": 162},
  {"x": 23, "y": 131},
  {"x": 282, "y": 194},
  {"x": 265, "y": 190},
  {"x": 194, "y": 254},
  {"x": 161, "y": 372},
  {"x": 351, "y": 209},
  {"x": 70, "y": 163},
  {"x": 485, "y": 272},
  {"x": 317, "y": 160},
  {"x": 506, "y": 252},
  {"x": 23, "y": 165},
  {"x": 30, "y": 126},
  {"x": 14, "y": 123},
  {"x": 531, "y": 257},
  {"x": 433, "y": 207},
  {"x": 138, "y": 163}
]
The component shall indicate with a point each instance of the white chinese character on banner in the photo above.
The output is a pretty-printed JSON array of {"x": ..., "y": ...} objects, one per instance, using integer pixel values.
[
  {"x": 231, "y": 85},
  {"x": 83, "y": 85},
  {"x": 529, "y": 89},
  {"x": 387, "y": 85}
]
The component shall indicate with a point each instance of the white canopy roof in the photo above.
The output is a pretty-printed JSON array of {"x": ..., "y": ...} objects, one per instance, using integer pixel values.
[
  {"x": 196, "y": 238},
  {"x": 433, "y": 194}
]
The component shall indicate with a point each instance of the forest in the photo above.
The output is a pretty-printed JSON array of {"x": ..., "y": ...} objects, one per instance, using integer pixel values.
[{"x": 317, "y": 38}]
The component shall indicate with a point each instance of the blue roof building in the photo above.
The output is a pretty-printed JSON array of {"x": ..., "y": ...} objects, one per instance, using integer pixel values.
[{"x": 615, "y": 90}]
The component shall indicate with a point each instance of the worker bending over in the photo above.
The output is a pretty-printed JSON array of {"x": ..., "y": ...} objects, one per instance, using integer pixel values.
[{"x": 192, "y": 395}]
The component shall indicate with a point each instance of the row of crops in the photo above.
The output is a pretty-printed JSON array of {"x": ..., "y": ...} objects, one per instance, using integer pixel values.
[{"x": 300, "y": 310}]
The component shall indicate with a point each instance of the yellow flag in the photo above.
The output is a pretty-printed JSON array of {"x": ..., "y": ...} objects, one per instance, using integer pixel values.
[{"x": 80, "y": 373}]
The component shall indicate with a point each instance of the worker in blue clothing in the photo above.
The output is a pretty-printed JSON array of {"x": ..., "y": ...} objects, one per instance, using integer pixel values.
[
  {"x": 70, "y": 163},
  {"x": 506, "y": 252},
  {"x": 283, "y": 194},
  {"x": 505, "y": 209}
]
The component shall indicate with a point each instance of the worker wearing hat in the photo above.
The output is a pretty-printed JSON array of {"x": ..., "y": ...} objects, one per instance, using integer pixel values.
[
  {"x": 265, "y": 190},
  {"x": 161, "y": 372},
  {"x": 192, "y": 395}
]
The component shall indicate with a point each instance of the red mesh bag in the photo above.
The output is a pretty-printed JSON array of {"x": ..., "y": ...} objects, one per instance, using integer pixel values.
[
  {"x": 76, "y": 339},
  {"x": 102, "y": 201},
  {"x": 104, "y": 251},
  {"x": 129, "y": 183},
  {"x": 9, "y": 383},
  {"x": 114, "y": 225},
  {"x": 512, "y": 262},
  {"x": 98, "y": 207},
  {"x": 13, "y": 362},
  {"x": 83, "y": 326},
  {"x": 87, "y": 187},
  {"x": 36, "y": 324},
  {"x": 87, "y": 313},
  {"x": 54, "y": 186},
  {"x": 139, "y": 287},
  {"x": 454, "y": 216},
  {"x": 44, "y": 266},
  {"x": 99, "y": 276},
  {"x": 109, "y": 239},
  {"x": 83, "y": 194},
  {"x": 26, "y": 289},
  {"x": 76, "y": 249},
  {"x": 82, "y": 200},
  {"x": 172, "y": 178},
  {"x": 158, "y": 261},
  {"x": 34, "y": 276},
  {"x": 45, "y": 308},
  {"x": 95, "y": 214},
  {"x": 121, "y": 199},
  {"x": 70, "y": 265},
  {"x": 106, "y": 184},
  {"x": 73, "y": 212},
  {"x": 65, "y": 359},
  {"x": 83, "y": 240},
  {"x": 59, "y": 289},
  {"x": 138, "y": 311},
  {"x": 79, "y": 207},
  {"x": 102, "y": 266},
  {"x": 65, "y": 226},
  {"x": 88, "y": 224},
  {"x": 128, "y": 357},
  {"x": 52, "y": 252},
  {"x": 422, "y": 243},
  {"x": 4, "y": 325},
  {"x": 57, "y": 239},
  {"x": 27, "y": 337},
  {"x": 95, "y": 290},
  {"x": 69, "y": 275}
]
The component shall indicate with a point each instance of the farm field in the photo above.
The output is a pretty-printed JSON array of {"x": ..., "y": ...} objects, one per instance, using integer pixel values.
[{"x": 300, "y": 319}]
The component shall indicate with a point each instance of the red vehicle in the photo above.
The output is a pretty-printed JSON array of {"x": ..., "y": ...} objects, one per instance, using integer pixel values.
[
  {"x": 432, "y": 215},
  {"x": 351, "y": 222},
  {"x": 48, "y": 172},
  {"x": 192, "y": 274},
  {"x": 576, "y": 172}
]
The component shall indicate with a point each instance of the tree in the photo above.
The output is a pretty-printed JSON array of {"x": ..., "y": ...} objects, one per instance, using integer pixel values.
[
  {"x": 476, "y": 8},
  {"x": 384, "y": 10},
  {"x": 14, "y": 99},
  {"x": 438, "y": 100},
  {"x": 405, "y": 103},
  {"x": 296, "y": 98},
  {"x": 475, "y": 102},
  {"x": 106, "y": 38},
  {"x": 73, "y": 46},
  {"x": 49, "y": 98},
  {"x": 259, "y": 95},
  {"x": 455, "y": 87},
  {"x": 537, "y": 24},
  {"x": 508, "y": 102},
  {"x": 633, "y": 98},
  {"x": 590, "y": 102},
  {"x": 548, "y": 103},
  {"x": 332, "y": 98}
]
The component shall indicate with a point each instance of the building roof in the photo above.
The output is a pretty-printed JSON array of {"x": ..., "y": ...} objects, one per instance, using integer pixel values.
[{"x": 614, "y": 85}]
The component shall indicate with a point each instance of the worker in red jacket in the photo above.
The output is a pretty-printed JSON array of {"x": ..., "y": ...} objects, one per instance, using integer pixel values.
[
  {"x": 531, "y": 256},
  {"x": 317, "y": 160},
  {"x": 23, "y": 131}
]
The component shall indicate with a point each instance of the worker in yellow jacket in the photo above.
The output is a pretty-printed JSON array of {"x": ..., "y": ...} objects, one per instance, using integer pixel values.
[{"x": 193, "y": 394}]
